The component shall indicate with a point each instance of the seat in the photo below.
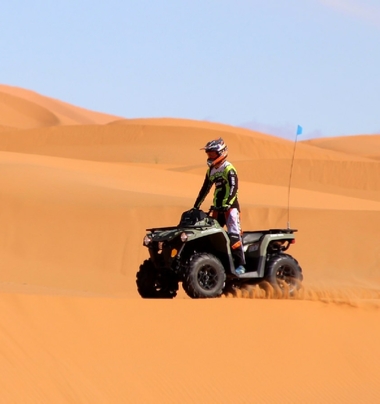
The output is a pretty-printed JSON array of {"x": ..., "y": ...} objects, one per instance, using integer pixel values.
[{"x": 251, "y": 237}]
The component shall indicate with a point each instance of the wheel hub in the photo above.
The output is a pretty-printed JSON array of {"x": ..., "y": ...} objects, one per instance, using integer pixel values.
[{"x": 207, "y": 277}]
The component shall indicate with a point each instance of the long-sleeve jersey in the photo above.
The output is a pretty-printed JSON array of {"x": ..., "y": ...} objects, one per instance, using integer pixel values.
[{"x": 226, "y": 186}]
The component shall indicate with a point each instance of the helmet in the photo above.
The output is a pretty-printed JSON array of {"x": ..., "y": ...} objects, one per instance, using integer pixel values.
[{"x": 217, "y": 152}]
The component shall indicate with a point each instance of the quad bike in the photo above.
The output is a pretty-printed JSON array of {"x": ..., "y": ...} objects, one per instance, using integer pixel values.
[{"x": 197, "y": 253}]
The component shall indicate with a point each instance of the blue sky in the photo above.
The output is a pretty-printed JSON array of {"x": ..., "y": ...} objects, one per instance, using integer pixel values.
[{"x": 265, "y": 64}]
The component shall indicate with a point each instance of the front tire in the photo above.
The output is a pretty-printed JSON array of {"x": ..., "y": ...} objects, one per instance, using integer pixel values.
[
  {"x": 153, "y": 284},
  {"x": 205, "y": 277},
  {"x": 284, "y": 274}
]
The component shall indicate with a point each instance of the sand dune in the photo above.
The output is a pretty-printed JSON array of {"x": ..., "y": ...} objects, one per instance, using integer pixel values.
[
  {"x": 363, "y": 145},
  {"x": 21, "y": 109},
  {"x": 78, "y": 190}
]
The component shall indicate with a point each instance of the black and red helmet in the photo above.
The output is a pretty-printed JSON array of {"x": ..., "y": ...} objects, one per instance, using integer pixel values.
[{"x": 217, "y": 152}]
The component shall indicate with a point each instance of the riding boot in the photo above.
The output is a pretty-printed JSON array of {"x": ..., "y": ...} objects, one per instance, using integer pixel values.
[{"x": 237, "y": 250}]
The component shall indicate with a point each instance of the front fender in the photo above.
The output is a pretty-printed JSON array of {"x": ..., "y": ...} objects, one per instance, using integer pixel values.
[{"x": 215, "y": 243}]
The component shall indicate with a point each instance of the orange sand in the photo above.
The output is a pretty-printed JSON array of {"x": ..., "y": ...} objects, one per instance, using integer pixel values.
[{"x": 78, "y": 190}]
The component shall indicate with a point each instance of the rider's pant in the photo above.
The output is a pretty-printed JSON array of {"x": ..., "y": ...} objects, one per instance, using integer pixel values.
[{"x": 231, "y": 219}]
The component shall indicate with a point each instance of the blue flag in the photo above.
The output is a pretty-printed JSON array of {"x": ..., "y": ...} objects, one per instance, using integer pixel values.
[{"x": 299, "y": 130}]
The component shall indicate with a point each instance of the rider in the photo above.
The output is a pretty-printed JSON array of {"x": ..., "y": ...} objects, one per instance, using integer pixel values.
[{"x": 223, "y": 174}]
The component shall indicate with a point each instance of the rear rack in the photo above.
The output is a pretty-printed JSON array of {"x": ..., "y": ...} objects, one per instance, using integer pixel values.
[{"x": 273, "y": 231}]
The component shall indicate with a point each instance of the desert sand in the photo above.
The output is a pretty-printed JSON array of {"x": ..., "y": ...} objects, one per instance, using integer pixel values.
[{"x": 79, "y": 188}]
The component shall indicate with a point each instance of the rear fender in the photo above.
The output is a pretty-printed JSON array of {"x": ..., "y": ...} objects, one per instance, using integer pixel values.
[{"x": 267, "y": 239}]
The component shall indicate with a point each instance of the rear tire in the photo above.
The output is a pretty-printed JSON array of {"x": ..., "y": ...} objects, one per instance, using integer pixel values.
[
  {"x": 205, "y": 277},
  {"x": 154, "y": 284},
  {"x": 284, "y": 274}
]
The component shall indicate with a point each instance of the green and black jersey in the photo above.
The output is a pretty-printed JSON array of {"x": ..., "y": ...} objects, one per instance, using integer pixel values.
[{"x": 226, "y": 186}]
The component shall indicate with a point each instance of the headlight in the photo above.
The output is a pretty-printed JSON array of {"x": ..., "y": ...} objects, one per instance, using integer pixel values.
[
  {"x": 184, "y": 237},
  {"x": 147, "y": 240}
]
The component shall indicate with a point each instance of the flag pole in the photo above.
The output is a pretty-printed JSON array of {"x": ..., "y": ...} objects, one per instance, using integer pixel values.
[{"x": 298, "y": 132}]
